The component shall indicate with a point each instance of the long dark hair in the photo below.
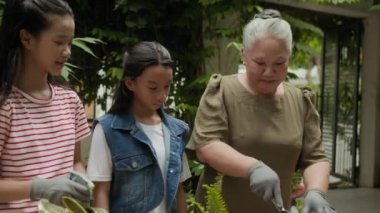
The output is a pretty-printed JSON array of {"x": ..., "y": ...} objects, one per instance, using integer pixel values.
[
  {"x": 32, "y": 16},
  {"x": 136, "y": 60}
]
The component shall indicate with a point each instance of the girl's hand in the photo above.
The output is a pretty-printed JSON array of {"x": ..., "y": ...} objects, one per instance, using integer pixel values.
[{"x": 55, "y": 189}]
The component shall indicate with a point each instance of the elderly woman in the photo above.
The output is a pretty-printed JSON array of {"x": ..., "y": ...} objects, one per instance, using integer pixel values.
[{"x": 257, "y": 129}]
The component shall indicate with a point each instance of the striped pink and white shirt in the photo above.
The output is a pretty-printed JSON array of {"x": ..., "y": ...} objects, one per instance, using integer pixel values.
[{"x": 38, "y": 136}]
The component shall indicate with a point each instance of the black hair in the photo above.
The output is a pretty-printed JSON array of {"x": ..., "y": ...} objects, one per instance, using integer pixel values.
[
  {"x": 136, "y": 60},
  {"x": 32, "y": 16}
]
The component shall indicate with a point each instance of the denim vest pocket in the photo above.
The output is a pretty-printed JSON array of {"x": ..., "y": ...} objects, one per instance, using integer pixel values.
[
  {"x": 132, "y": 163},
  {"x": 133, "y": 176}
]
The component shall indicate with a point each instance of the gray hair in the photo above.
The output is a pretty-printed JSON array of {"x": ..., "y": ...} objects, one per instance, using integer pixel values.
[{"x": 269, "y": 22}]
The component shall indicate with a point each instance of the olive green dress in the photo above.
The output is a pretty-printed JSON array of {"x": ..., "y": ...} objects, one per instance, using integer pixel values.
[{"x": 283, "y": 133}]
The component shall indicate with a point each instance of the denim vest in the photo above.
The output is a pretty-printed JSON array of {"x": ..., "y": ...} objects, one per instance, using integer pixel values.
[{"x": 137, "y": 185}]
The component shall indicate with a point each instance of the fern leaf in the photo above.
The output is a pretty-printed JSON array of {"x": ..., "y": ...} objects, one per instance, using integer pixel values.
[
  {"x": 214, "y": 198},
  {"x": 193, "y": 203},
  {"x": 215, "y": 201}
]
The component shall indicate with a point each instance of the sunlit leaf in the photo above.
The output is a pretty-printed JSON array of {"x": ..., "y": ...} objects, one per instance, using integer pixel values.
[{"x": 82, "y": 45}]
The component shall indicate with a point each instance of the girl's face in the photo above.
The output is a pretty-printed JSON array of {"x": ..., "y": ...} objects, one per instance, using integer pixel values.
[
  {"x": 151, "y": 88},
  {"x": 49, "y": 51},
  {"x": 266, "y": 63}
]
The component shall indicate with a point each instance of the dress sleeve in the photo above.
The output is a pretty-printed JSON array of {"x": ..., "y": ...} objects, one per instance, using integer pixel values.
[
  {"x": 312, "y": 149},
  {"x": 211, "y": 118}
]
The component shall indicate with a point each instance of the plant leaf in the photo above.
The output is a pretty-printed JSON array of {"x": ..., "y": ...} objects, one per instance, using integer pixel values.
[
  {"x": 375, "y": 8},
  {"x": 82, "y": 45}
]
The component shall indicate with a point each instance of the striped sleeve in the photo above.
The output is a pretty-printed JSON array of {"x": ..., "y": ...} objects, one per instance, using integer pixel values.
[
  {"x": 82, "y": 128},
  {"x": 5, "y": 114},
  {"x": 37, "y": 138}
]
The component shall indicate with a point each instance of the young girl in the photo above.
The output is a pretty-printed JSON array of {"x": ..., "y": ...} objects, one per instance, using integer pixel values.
[
  {"x": 41, "y": 123},
  {"x": 137, "y": 159}
]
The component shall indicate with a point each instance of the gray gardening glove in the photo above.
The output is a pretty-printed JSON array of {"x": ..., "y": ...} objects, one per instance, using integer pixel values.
[
  {"x": 315, "y": 202},
  {"x": 54, "y": 189},
  {"x": 265, "y": 183}
]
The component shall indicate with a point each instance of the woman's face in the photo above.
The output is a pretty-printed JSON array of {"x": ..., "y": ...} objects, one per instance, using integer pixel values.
[{"x": 266, "y": 63}]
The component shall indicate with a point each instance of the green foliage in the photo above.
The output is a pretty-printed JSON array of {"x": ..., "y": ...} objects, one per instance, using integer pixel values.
[
  {"x": 82, "y": 44},
  {"x": 332, "y": 1},
  {"x": 307, "y": 41},
  {"x": 375, "y": 8},
  {"x": 68, "y": 70},
  {"x": 297, "y": 179},
  {"x": 299, "y": 205},
  {"x": 300, "y": 24},
  {"x": 215, "y": 202},
  {"x": 181, "y": 26},
  {"x": 196, "y": 167},
  {"x": 177, "y": 24},
  {"x": 2, "y": 3},
  {"x": 214, "y": 199}
]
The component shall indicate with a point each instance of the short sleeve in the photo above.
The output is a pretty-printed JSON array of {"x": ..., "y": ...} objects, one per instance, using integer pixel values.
[
  {"x": 5, "y": 118},
  {"x": 211, "y": 118},
  {"x": 185, "y": 174},
  {"x": 100, "y": 162},
  {"x": 82, "y": 129},
  {"x": 312, "y": 149}
]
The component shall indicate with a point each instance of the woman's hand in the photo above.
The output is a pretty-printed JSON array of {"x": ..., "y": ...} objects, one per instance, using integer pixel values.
[
  {"x": 265, "y": 183},
  {"x": 315, "y": 202}
]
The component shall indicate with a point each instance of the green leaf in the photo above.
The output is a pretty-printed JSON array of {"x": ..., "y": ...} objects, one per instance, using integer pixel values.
[
  {"x": 70, "y": 65},
  {"x": 193, "y": 202},
  {"x": 305, "y": 48},
  {"x": 375, "y": 8},
  {"x": 214, "y": 197},
  {"x": 82, "y": 45},
  {"x": 236, "y": 45},
  {"x": 115, "y": 72},
  {"x": 90, "y": 40},
  {"x": 186, "y": 107},
  {"x": 68, "y": 71},
  {"x": 196, "y": 167},
  {"x": 332, "y": 1},
  {"x": 200, "y": 81},
  {"x": 303, "y": 25},
  {"x": 206, "y": 3}
]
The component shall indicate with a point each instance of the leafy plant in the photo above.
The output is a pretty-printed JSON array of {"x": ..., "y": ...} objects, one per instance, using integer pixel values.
[
  {"x": 296, "y": 181},
  {"x": 82, "y": 44},
  {"x": 214, "y": 199},
  {"x": 375, "y": 8},
  {"x": 332, "y": 1},
  {"x": 215, "y": 202}
]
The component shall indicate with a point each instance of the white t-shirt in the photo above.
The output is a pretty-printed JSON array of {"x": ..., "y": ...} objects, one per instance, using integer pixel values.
[{"x": 101, "y": 170}]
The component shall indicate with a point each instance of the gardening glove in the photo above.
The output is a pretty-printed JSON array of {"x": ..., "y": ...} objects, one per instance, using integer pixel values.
[
  {"x": 315, "y": 202},
  {"x": 293, "y": 209},
  {"x": 265, "y": 183},
  {"x": 54, "y": 189}
]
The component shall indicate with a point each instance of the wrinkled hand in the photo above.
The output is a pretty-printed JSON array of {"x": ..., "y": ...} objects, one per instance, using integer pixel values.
[
  {"x": 54, "y": 189},
  {"x": 315, "y": 202},
  {"x": 265, "y": 183}
]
